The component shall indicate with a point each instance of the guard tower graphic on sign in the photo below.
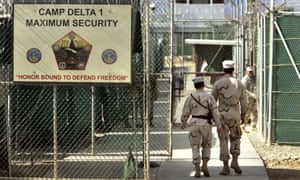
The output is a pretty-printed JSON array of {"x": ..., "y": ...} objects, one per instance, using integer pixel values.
[{"x": 71, "y": 52}]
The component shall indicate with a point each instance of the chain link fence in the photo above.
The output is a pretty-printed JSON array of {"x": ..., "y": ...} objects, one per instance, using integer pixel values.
[
  {"x": 59, "y": 131},
  {"x": 279, "y": 80}
]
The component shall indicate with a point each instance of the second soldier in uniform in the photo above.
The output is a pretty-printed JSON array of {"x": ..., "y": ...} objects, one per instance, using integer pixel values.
[
  {"x": 232, "y": 100},
  {"x": 250, "y": 84},
  {"x": 198, "y": 104}
]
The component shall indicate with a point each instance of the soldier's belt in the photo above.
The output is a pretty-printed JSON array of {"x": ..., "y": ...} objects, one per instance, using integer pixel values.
[
  {"x": 200, "y": 116},
  {"x": 208, "y": 118}
]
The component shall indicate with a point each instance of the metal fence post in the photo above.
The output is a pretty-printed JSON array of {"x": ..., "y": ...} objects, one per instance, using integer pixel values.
[
  {"x": 270, "y": 70},
  {"x": 55, "y": 131},
  {"x": 8, "y": 125},
  {"x": 93, "y": 120},
  {"x": 146, "y": 94},
  {"x": 170, "y": 148}
]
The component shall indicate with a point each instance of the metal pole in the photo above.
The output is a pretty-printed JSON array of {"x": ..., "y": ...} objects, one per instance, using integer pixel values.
[
  {"x": 171, "y": 78},
  {"x": 270, "y": 70},
  {"x": 241, "y": 40},
  {"x": 258, "y": 70},
  {"x": 9, "y": 149},
  {"x": 260, "y": 73},
  {"x": 264, "y": 110},
  {"x": 146, "y": 95},
  {"x": 55, "y": 131},
  {"x": 93, "y": 114},
  {"x": 93, "y": 120}
]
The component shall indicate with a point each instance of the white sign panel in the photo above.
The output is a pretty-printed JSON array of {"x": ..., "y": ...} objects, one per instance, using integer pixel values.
[{"x": 72, "y": 43}]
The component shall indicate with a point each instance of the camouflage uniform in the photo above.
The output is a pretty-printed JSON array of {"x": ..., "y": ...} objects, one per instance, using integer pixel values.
[
  {"x": 201, "y": 131},
  {"x": 251, "y": 114},
  {"x": 231, "y": 95}
]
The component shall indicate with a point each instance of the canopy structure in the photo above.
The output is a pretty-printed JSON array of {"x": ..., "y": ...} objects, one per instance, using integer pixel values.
[{"x": 211, "y": 42}]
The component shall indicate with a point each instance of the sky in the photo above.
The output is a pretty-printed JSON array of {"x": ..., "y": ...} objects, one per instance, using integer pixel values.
[{"x": 289, "y": 3}]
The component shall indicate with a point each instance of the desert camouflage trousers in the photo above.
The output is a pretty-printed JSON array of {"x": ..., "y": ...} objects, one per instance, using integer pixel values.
[
  {"x": 230, "y": 136},
  {"x": 200, "y": 136},
  {"x": 251, "y": 114}
]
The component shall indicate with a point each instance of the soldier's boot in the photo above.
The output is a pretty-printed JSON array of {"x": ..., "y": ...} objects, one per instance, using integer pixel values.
[
  {"x": 204, "y": 168},
  {"x": 226, "y": 170},
  {"x": 197, "y": 170},
  {"x": 235, "y": 165}
]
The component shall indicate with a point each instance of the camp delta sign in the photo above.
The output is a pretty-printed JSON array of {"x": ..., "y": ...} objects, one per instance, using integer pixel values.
[{"x": 72, "y": 43}]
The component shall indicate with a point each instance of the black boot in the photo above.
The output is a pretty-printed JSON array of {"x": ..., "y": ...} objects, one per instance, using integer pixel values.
[
  {"x": 197, "y": 170},
  {"x": 204, "y": 168},
  {"x": 235, "y": 165},
  {"x": 226, "y": 170}
]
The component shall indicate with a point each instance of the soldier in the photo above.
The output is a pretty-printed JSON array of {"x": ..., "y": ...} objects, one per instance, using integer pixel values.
[
  {"x": 231, "y": 96},
  {"x": 199, "y": 104},
  {"x": 249, "y": 82}
]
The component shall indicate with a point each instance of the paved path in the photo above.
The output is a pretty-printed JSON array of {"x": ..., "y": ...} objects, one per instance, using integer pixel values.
[{"x": 181, "y": 167}]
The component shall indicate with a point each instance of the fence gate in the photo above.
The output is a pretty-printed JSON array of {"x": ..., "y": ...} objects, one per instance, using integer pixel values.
[{"x": 284, "y": 122}]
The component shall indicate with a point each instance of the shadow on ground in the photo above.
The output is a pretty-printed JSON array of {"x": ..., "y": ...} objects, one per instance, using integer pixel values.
[{"x": 286, "y": 174}]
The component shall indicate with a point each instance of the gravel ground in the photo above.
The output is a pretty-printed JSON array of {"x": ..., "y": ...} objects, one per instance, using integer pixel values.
[{"x": 281, "y": 161}]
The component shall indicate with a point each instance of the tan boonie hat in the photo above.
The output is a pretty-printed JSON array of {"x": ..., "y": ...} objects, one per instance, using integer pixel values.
[
  {"x": 227, "y": 64},
  {"x": 198, "y": 79}
]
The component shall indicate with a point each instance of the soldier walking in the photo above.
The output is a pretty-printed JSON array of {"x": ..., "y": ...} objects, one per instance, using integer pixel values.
[
  {"x": 199, "y": 104},
  {"x": 250, "y": 84},
  {"x": 231, "y": 96}
]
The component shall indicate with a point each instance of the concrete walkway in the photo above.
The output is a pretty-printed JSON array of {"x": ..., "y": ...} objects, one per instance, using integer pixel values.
[{"x": 180, "y": 167}]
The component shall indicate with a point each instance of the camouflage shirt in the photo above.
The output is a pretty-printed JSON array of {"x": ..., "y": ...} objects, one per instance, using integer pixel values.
[
  {"x": 249, "y": 83},
  {"x": 231, "y": 95},
  {"x": 191, "y": 107}
]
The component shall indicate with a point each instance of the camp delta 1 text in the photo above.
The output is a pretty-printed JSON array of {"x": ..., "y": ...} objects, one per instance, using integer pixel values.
[{"x": 69, "y": 12}]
